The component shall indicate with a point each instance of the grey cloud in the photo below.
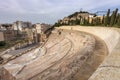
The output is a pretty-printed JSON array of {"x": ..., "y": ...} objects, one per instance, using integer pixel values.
[{"x": 47, "y": 10}]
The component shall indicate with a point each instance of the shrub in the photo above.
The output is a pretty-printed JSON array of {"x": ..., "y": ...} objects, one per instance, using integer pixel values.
[{"x": 2, "y": 43}]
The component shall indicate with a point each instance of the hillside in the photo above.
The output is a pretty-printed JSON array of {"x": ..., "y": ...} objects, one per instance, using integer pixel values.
[{"x": 111, "y": 19}]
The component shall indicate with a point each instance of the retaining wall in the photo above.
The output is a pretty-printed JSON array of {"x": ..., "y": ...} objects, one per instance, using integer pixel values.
[{"x": 110, "y": 68}]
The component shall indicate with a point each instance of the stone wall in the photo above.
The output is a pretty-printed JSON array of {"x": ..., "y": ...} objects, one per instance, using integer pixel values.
[
  {"x": 110, "y": 68},
  {"x": 109, "y": 35}
]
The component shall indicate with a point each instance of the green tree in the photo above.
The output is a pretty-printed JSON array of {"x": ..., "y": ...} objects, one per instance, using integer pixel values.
[
  {"x": 57, "y": 25},
  {"x": 103, "y": 20},
  {"x": 85, "y": 21},
  {"x": 88, "y": 21},
  {"x": 107, "y": 18},
  {"x": 92, "y": 22},
  {"x": 116, "y": 14},
  {"x": 2, "y": 43},
  {"x": 113, "y": 17},
  {"x": 97, "y": 21},
  {"x": 118, "y": 20},
  {"x": 77, "y": 22}
]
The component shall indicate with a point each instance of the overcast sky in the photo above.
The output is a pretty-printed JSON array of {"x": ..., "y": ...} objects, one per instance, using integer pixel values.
[{"x": 49, "y": 11}]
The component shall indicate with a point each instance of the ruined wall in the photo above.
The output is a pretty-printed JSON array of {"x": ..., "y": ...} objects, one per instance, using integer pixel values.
[
  {"x": 109, "y": 35},
  {"x": 110, "y": 68}
]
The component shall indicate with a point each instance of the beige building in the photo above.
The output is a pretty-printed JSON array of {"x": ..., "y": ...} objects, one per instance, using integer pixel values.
[
  {"x": 42, "y": 31},
  {"x": 20, "y": 25},
  {"x": 2, "y": 36},
  {"x": 7, "y": 35},
  {"x": 30, "y": 34},
  {"x": 42, "y": 28},
  {"x": 77, "y": 16},
  {"x": 83, "y": 15},
  {"x": 24, "y": 30},
  {"x": 93, "y": 18},
  {"x": 6, "y": 26}
]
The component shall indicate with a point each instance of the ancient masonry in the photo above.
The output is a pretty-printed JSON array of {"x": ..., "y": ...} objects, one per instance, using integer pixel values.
[{"x": 70, "y": 53}]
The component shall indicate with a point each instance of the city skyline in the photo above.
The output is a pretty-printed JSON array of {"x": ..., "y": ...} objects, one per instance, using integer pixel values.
[{"x": 48, "y": 11}]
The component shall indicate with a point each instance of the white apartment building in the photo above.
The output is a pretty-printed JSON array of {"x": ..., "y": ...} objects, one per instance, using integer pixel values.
[{"x": 20, "y": 25}]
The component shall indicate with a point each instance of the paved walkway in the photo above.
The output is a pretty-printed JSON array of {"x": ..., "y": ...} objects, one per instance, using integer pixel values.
[{"x": 15, "y": 52}]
